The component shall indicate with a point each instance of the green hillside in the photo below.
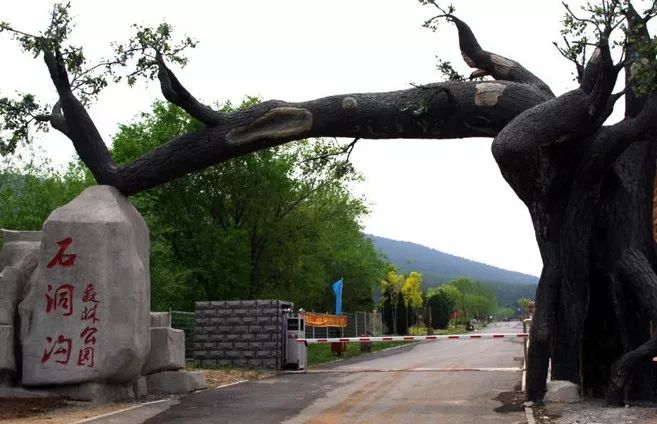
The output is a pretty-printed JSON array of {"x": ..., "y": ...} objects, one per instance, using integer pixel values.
[{"x": 438, "y": 267}]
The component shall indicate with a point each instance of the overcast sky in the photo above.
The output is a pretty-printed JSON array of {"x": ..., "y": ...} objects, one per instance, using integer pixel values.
[{"x": 448, "y": 195}]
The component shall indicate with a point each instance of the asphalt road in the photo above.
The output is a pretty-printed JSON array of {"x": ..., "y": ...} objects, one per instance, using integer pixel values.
[{"x": 447, "y": 381}]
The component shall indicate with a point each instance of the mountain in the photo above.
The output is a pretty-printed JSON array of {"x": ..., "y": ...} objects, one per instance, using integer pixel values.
[{"x": 438, "y": 267}]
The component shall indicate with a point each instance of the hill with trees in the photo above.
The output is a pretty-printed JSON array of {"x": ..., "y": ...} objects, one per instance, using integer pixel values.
[{"x": 439, "y": 267}]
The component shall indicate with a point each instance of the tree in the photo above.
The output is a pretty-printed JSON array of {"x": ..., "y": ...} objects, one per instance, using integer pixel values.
[
  {"x": 588, "y": 186},
  {"x": 391, "y": 292},
  {"x": 31, "y": 192},
  {"x": 412, "y": 293},
  {"x": 524, "y": 306},
  {"x": 258, "y": 226},
  {"x": 440, "y": 305}
]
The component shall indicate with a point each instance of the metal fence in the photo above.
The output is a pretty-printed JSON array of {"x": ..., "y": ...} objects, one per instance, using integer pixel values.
[
  {"x": 185, "y": 321},
  {"x": 358, "y": 324}
]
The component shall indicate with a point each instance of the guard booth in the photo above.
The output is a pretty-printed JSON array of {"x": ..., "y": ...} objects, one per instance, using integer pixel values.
[{"x": 296, "y": 354}]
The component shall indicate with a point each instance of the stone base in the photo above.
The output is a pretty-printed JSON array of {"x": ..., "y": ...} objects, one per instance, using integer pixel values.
[
  {"x": 167, "y": 351},
  {"x": 19, "y": 392},
  {"x": 562, "y": 391},
  {"x": 140, "y": 387},
  {"x": 96, "y": 392},
  {"x": 171, "y": 382},
  {"x": 160, "y": 319},
  {"x": 7, "y": 360}
]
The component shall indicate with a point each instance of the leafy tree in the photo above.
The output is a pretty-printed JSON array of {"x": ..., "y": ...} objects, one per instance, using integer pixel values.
[
  {"x": 391, "y": 293},
  {"x": 440, "y": 306},
  {"x": 523, "y": 305},
  {"x": 276, "y": 223},
  {"x": 412, "y": 295},
  {"x": 30, "y": 191},
  {"x": 588, "y": 186}
]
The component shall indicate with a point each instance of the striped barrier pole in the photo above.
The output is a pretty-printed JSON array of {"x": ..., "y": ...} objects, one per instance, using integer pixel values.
[{"x": 483, "y": 336}]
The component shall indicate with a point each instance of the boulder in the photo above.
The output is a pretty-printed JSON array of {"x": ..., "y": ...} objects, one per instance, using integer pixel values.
[
  {"x": 9, "y": 292},
  {"x": 7, "y": 360},
  {"x": 167, "y": 350},
  {"x": 18, "y": 244},
  {"x": 562, "y": 391},
  {"x": 18, "y": 259},
  {"x": 172, "y": 382},
  {"x": 160, "y": 319},
  {"x": 86, "y": 317}
]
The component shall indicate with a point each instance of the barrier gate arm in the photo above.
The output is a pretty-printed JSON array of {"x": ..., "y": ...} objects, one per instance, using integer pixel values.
[{"x": 415, "y": 338}]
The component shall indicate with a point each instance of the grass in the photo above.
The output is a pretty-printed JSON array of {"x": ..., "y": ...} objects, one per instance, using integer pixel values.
[{"x": 321, "y": 353}]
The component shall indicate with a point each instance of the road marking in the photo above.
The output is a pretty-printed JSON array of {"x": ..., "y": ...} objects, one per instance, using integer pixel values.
[
  {"x": 353, "y": 370},
  {"x": 86, "y": 420}
]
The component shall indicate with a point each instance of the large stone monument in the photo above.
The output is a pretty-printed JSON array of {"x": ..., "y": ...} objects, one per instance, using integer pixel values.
[
  {"x": 80, "y": 293},
  {"x": 86, "y": 317}
]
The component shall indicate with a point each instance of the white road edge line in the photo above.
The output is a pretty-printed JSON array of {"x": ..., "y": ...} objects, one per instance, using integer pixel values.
[
  {"x": 86, "y": 420},
  {"x": 230, "y": 384},
  {"x": 529, "y": 411},
  {"x": 529, "y": 414}
]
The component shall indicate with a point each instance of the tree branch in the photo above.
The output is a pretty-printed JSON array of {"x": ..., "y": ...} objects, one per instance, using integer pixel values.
[
  {"x": 610, "y": 142},
  {"x": 636, "y": 271},
  {"x": 443, "y": 111},
  {"x": 56, "y": 119},
  {"x": 495, "y": 65},
  {"x": 174, "y": 92},
  {"x": 79, "y": 127}
]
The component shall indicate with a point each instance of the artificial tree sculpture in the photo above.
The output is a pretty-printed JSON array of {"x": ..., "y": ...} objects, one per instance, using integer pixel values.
[{"x": 588, "y": 186}]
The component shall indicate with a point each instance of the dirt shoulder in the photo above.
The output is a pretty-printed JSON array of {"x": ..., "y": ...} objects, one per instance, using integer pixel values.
[
  {"x": 57, "y": 410},
  {"x": 594, "y": 412}
]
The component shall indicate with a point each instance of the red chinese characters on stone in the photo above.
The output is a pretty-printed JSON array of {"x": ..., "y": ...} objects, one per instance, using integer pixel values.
[
  {"x": 90, "y": 313},
  {"x": 86, "y": 357},
  {"x": 63, "y": 259},
  {"x": 88, "y": 334},
  {"x": 58, "y": 349},
  {"x": 60, "y": 300},
  {"x": 89, "y": 295}
]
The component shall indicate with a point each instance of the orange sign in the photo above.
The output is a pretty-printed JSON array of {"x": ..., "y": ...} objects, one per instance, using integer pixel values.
[{"x": 324, "y": 320}]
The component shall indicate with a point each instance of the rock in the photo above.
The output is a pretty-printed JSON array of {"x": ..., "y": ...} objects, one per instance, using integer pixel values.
[
  {"x": 96, "y": 392},
  {"x": 562, "y": 391},
  {"x": 7, "y": 360},
  {"x": 9, "y": 291},
  {"x": 140, "y": 387},
  {"x": 160, "y": 319},
  {"x": 18, "y": 259},
  {"x": 170, "y": 382},
  {"x": 167, "y": 351},
  {"x": 20, "y": 392},
  {"x": 18, "y": 244},
  {"x": 86, "y": 317}
]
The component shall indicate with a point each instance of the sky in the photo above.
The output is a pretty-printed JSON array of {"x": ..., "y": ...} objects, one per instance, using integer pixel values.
[{"x": 445, "y": 194}]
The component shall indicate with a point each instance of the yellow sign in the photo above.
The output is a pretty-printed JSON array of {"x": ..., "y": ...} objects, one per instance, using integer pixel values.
[{"x": 324, "y": 320}]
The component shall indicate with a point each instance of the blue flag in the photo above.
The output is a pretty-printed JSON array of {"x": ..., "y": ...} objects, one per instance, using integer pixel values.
[{"x": 337, "y": 289}]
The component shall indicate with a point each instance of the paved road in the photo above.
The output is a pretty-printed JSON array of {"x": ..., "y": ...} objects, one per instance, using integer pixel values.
[{"x": 450, "y": 381}]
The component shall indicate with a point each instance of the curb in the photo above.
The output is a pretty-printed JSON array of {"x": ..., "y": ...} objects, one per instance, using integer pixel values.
[
  {"x": 130, "y": 408},
  {"x": 529, "y": 412}
]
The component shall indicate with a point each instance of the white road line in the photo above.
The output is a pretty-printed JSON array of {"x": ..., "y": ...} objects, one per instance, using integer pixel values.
[{"x": 86, "y": 420}]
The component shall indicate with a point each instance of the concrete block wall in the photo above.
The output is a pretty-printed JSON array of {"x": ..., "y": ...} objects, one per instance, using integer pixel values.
[{"x": 240, "y": 333}]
